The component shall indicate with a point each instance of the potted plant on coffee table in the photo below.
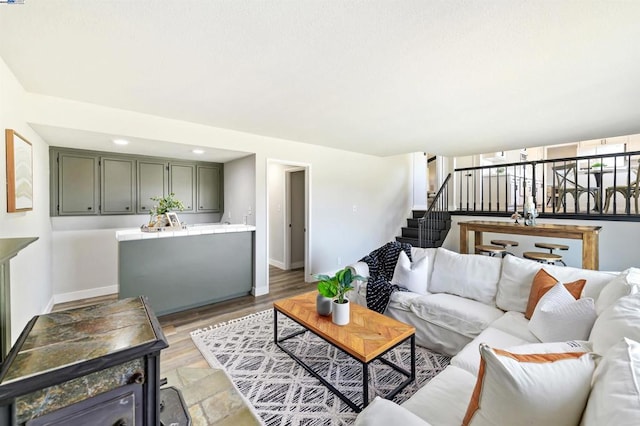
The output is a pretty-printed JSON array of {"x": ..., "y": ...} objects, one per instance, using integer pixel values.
[{"x": 335, "y": 288}]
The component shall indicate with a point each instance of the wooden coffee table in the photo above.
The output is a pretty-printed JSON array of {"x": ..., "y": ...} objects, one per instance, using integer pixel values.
[{"x": 368, "y": 336}]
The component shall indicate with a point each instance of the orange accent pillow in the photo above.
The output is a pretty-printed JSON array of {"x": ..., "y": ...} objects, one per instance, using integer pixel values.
[{"x": 542, "y": 283}]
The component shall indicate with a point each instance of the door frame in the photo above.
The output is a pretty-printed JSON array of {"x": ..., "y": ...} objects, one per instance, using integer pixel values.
[{"x": 307, "y": 213}]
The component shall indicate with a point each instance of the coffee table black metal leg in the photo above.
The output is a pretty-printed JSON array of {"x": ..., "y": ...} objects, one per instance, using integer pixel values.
[
  {"x": 413, "y": 357},
  {"x": 275, "y": 325},
  {"x": 365, "y": 384}
]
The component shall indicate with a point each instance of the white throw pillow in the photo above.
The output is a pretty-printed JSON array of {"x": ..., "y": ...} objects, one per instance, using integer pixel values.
[
  {"x": 615, "y": 394},
  {"x": 384, "y": 412},
  {"x": 559, "y": 316},
  {"x": 539, "y": 389},
  {"x": 411, "y": 275},
  {"x": 467, "y": 275},
  {"x": 622, "y": 319},
  {"x": 628, "y": 282}
]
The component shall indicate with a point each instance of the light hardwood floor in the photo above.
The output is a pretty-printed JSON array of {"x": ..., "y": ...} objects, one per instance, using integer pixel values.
[{"x": 177, "y": 327}]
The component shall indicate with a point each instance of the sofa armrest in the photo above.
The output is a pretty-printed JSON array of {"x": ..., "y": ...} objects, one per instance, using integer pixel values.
[
  {"x": 384, "y": 413},
  {"x": 359, "y": 292}
]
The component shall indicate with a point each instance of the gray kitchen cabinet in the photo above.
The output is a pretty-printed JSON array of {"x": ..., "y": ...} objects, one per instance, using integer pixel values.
[
  {"x": 182, "y": 179},
  {"x": 78, "y": 184},
  {"x": 209, "y": 189},
  {"x": 152, "y": 182},
  {"x": 118, "y": 183},
  {"x": 86, "y": 182}
]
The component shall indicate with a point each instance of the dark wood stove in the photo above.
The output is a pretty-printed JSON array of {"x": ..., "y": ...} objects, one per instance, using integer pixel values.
[{"x": 97, "y": 365}]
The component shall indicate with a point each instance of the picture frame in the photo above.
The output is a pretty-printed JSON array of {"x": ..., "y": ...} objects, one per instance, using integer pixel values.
[
  {"x": 172, "y": 217},
  {"x": 19, "y": 172}
]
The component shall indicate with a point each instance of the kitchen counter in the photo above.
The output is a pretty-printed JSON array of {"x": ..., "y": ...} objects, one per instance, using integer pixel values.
[
  {"x": 207, "y": 228},
  {"x": 183, "y": 269}
]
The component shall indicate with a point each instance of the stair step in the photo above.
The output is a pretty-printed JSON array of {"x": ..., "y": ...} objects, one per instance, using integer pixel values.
[
  {"x": 417, "y": 214},
  {"x": 434, "y": 234},
  {"x": 442, "y": 224},
  {"x": 415, "y": 243}
]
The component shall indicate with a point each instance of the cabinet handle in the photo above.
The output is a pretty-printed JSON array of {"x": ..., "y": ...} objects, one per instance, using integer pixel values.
[
  {"x": 201, "y": 207},
  {"x": 144, "y": 208},
  {"x": 188, "y": 207},
  {"x": 126, "y": 208},
  {"x": 89, "y": 208}
]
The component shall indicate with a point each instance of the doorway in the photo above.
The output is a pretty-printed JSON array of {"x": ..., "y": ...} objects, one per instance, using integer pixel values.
[
  {"x": 294, "y": 249},
  {"x": 288, "y": 215}
]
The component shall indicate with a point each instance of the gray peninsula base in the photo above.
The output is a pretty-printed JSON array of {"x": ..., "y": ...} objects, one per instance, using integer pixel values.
[{"x": 184, "y": 272}]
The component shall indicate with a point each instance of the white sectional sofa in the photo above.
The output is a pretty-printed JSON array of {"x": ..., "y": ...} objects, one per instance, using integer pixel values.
[{"x": 469, "y": 301}]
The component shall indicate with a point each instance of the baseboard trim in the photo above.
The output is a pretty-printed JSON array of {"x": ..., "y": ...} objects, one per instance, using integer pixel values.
[
  {"x": 276, "y": 263},
  {"x": 85, "y": 294},
  {"x": 49, "y": 306},
  {"x": 296, "y": 265}
]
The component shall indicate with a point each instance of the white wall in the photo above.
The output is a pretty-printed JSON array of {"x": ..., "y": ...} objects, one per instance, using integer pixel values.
[
  {"x": 378, "y": 188},
  {"x": 619, "y": 242},
  {"x": 31, "y": 288},
  {"x": 276, "y": 183}
]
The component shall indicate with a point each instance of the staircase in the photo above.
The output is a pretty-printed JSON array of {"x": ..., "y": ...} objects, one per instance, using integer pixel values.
[
  {"x": 429, "y": 228},
  {"x": 439, "y": 232}
]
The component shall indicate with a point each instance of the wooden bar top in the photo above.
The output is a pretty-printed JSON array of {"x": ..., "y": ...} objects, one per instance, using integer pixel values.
[
  {"x": 542, "y": 229},
  {"x": 588, "y": 235},
  {"x": 367, "y": 336}
]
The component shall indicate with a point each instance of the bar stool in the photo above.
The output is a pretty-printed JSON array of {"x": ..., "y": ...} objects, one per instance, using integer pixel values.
[
  {"x": 490, "y": 250},
  {"x": 505, "y": 244},
  {"x": 551, "y": 247},
  {"x": 548, "y": 258}
]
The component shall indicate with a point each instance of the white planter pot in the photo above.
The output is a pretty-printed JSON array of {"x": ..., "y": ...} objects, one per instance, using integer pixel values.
[{"x": 341, "y": 313}]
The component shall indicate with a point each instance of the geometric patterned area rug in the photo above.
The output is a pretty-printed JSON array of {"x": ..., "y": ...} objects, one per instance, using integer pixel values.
[{"x": 284, "y": 393}]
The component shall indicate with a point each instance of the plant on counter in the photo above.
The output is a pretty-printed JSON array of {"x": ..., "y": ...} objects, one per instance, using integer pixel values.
[
  {"x": 337, "y": 286},
  {"x": 165, "y": 204},
  {"x": 598, "y": 165}
]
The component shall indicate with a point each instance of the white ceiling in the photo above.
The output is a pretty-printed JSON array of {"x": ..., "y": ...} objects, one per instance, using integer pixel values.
[{"x": 382, "y": 77}]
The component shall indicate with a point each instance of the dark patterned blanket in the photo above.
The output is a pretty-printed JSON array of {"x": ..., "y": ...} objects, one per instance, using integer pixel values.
[{"x": 382, "y": 262}]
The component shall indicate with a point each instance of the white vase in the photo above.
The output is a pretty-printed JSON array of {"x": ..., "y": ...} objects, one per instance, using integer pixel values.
[{"x": 341, "y": 313}]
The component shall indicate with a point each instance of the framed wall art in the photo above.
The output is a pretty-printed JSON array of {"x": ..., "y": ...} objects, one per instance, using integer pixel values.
[{"x": 19, "y": 172}]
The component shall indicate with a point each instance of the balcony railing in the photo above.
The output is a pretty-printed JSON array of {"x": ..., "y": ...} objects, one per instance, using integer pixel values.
[{"x": 594, "y": 186}]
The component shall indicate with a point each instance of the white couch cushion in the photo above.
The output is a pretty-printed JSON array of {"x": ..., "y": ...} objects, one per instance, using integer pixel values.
[
  {"x": 411, "y": 275},
  {"x": 622, "y": 319},
  {"x": 464, "y": 316},
  {"x": 540, "y": 389},
  {"x": 429, "y": 253},
  {"x": 471, "y": 276},
  {"x": 469, "y": 357},
  {"x": 628, "y": 282},
  {"x": 402, "y": 300},
  {"x": 517, "y": 275},
  {"x": 515, "y": 323},
  {"x": 615, "y": 395},
  {"x": 559, "y": 316},
  {"x": 444, "y": 399},
  {"x": 384, "y": 412}
]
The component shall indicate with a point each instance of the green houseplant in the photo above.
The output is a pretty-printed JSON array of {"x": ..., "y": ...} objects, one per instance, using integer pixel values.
[
  {"x": 335, "y": 287},
  {"x": 165, "y": 204}
]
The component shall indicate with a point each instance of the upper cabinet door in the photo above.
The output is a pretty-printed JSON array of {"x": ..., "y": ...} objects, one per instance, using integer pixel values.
[
  {"x": 78, "y": 188},
  {"x": 118, "y": 183},
  {"x": 152, "y": 182},
  {"x": 209, "y": 190},
  {"x": 182, "y": 179}
]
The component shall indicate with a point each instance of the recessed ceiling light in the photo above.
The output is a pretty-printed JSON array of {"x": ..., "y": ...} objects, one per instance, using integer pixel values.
[
  {"x": 120, "y": 142},
  {"x": 198, "y": 151}
]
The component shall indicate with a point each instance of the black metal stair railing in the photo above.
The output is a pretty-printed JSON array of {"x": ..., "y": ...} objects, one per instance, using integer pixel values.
[
  {"x": 432, "y": 225},
  {"x": 602, "y": 186}
]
